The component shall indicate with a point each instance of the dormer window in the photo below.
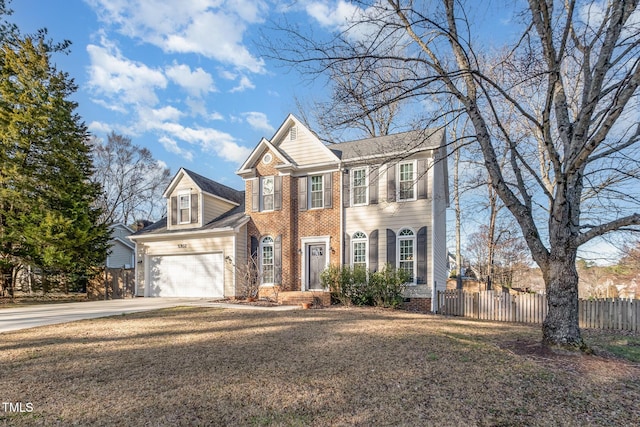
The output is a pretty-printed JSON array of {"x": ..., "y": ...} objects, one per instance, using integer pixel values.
[{"x": 184, "y": 208}]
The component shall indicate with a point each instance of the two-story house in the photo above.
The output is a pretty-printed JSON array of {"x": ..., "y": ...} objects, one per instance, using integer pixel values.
[{"x": 308, "y": 205}]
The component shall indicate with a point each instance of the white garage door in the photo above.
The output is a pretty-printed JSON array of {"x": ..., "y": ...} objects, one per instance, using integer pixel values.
[{"x": 186, "y": 276}]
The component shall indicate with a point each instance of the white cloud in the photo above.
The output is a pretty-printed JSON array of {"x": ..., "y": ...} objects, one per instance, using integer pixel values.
[
  {"x": 244, "y": 84},
  {"x": 258, "y": 121},
  {"x": 172, "y": 147},
  {"x": 99, "y": 127},
  {"x": 212, "y": 28},
  {"x": 109, "y": 105},
  {"x": 353, "y": 21},
  {"x": 339, "y": 16},
  {"x": 196, "y": 82},
  {"x": 168, "y": 113},
  {"x": 208, "y": 139},
  {"x": 216, "y": 116},
  {"x": 116, "y": 77}
]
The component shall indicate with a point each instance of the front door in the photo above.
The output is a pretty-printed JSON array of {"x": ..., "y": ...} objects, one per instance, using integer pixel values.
[{"x": 317, "y": 263}]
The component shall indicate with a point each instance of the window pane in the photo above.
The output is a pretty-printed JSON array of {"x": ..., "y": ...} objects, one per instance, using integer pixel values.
[
  {"x": 406, "y": 256},
  {"x": 316, "y": 192},
  {"x": 360, "y": 254},
  {"x": 406, "y": 181},
  {"x": 267, "y": 264},
  {"x": 359, "y": 186},
  {"x": 184, "y": 214}
]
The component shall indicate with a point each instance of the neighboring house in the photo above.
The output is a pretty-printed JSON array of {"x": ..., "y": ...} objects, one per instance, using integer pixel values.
[
  {"x": 121, "y": 250},
  {"x": 308, "y": 205},
  {"x": 191, "y": 253}
]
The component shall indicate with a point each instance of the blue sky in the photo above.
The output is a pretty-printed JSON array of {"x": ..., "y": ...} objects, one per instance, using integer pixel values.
[{"x": 182, "y": 78}]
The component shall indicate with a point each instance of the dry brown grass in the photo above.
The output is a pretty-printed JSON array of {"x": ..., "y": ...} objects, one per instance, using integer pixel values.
[{"x": 197, "y": 366}]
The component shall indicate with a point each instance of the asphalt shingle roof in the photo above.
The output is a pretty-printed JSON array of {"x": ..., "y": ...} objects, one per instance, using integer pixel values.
[
  {"x": 388, "y": 145},
  {"x": 209, "y": 186}
]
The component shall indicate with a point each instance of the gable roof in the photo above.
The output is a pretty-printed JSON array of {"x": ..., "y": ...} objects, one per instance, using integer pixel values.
[
  {"x": 234, "y": 218},
  {"x": 263, "y": 145},
  {"x": 383, "y": 147},
  {"x": 208, "y": 186}
]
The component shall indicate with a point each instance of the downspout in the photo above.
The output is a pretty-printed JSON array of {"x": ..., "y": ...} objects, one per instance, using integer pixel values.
[
  {"x": 434, "y": 284},
  {"x": 342, "y": 216}
]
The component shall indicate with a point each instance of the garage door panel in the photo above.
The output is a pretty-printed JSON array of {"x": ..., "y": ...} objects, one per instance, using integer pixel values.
[{"x": 199, "y": 275}]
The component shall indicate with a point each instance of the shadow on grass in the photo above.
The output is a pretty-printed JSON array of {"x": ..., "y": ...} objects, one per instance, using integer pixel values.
[{"x": 311, "y": 367}]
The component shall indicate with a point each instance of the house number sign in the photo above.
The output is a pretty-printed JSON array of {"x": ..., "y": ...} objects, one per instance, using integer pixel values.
[{"x": 182, "y": 245}]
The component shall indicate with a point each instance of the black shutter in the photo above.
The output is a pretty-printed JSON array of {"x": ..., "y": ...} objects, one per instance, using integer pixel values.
[
  {"x": 174, "y": 210},
  {"x": 373, "y": 251},
  {"x": 422, "y": 177},
  {"x": 277, "y": 259},
  {"x": 391, "y": 183},
  {"x": 391, "y": 247},
  {"x": 346, "y": 193},
  {"x": 277, "y": 193},
  {"x": 421, "y": 242},
  {"x": 346, "y": 248},
  {"x": 194, "y": 208},
  {"x": 328, "y": 191},
  {"x": 255, "y": 194},
  {"x": 373, "y": 185},
  {"x": 254, "y": 247},
  {"x": 302, "y": 193}
]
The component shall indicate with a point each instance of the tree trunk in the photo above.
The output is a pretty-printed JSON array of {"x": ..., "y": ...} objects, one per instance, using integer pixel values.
[{"x": 560, "y": 327}]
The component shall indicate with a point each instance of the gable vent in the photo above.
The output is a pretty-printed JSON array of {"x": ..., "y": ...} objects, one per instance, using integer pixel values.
[{"x": 293, "y": 133}]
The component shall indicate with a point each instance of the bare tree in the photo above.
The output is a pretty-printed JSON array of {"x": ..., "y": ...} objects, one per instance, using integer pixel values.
[
  {"x": 132, "y": 181},
  {"x": 571, "y": 78}
]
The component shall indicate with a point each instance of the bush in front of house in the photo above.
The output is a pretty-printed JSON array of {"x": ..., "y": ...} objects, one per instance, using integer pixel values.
[{"x": 356, "y": 286}]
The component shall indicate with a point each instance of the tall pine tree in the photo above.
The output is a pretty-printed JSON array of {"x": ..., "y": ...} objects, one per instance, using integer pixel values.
[{"x": 47, "y": 216}]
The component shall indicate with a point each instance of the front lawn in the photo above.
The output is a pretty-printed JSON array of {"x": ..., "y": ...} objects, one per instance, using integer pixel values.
[{"x": 368, "y": 367}]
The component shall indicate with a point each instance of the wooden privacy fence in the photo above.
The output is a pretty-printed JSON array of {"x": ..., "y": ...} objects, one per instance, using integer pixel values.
[{"x": 619, "y": 314}]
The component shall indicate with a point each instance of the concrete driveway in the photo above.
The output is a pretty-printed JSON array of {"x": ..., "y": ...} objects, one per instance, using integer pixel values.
[{"x": 12, "y": 319}]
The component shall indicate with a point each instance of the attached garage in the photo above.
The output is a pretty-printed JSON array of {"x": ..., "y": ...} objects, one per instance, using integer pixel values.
[{"x": 194, "y": 275}]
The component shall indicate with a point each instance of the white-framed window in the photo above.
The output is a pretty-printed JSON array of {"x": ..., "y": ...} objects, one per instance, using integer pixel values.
[
  {"x": 359, "y": 250},
  {"x": 316, "y": 191},
  {"x": 359, "y": 187},
  {"x": 267, "y": 193},
  {"x": 407, "y": 180},
  {"x": 267, "y": 260},
  {"x": 184, "y": 208},
  {"x": 407, "y": 252}
]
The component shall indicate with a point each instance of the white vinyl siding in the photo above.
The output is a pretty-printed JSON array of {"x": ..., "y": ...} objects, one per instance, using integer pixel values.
[
  {"x": 395, "y": 216},
  {"x": 359, "y": 187},
  {"x": 305, "y": 149},
  {"x": 213, "y": 207}
]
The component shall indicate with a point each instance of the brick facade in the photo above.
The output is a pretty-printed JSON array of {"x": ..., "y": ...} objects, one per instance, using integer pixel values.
[
  {"x": 419, "y": 305},
  {"x": 291, "y": 224}
]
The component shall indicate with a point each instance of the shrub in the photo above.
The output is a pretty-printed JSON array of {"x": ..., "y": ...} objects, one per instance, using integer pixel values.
[
  {"x": 356, "y": 286},
  {"x": 387, "y": 286}
]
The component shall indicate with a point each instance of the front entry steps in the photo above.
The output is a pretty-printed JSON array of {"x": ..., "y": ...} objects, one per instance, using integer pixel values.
[{"x": 318, "y": 299}]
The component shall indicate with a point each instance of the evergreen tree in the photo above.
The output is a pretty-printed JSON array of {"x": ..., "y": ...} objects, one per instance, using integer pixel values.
[{"x": 47, "y": 214}]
